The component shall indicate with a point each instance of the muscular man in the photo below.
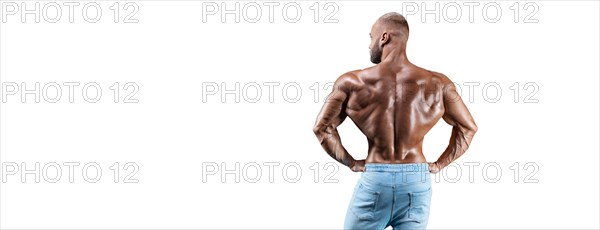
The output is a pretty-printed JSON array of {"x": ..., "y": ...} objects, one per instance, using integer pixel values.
[{"x": 394, "y": 103}]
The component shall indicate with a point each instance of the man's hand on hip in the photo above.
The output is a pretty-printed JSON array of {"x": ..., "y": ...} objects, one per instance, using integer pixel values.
[
  {"x": 358, "y": 166},
  {"x": 434, "y": 167}
]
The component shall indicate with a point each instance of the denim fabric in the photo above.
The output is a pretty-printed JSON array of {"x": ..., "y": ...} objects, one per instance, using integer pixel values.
[{"x": 396, "y": 195}]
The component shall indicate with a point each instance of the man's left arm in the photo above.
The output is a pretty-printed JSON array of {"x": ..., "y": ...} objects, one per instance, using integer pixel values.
[{"x": 331, "y": 116}]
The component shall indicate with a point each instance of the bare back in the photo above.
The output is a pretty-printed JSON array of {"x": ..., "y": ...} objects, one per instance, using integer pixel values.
[
  {"x": 395, "y": 104},
  {"x": 395, "y": 108}
]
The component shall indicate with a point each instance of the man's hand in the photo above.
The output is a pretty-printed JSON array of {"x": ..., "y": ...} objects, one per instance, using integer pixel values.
[
  {"x": 434, "y": 167},
  {"x": 358, "y": 166}
]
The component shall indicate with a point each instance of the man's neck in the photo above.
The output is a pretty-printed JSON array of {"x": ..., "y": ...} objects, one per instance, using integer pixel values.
[{"x": 395, "y": 53}]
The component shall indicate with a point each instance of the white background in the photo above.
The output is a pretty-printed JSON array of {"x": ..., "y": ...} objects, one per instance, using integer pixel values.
[{"x": 171, "y": 132}]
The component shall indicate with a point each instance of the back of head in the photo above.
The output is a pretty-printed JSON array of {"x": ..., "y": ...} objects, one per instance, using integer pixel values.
[
  {"x": 389, "y": 31},
  {"x": 394, "y": 23}
]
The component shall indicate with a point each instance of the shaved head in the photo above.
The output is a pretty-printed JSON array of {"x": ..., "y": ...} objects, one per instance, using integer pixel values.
[
  {"x": 393, "y": 22},
  {"x": 391, "y": 28}
]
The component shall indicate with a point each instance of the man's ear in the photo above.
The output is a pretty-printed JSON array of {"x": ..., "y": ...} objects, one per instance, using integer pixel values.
[{"x": 385, "y": 39}]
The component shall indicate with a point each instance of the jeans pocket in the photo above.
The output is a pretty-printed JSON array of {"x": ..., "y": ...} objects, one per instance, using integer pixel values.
[
  {"x": 364, "y": 202},
  {"x": 419, "y": 206}
]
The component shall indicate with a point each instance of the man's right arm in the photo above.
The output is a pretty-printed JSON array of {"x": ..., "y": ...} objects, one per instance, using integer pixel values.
[{"x": 463, "y": 130}]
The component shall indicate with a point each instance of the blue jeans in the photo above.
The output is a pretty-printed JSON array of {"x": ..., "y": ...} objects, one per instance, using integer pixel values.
[{"x": 396, "y": 195}]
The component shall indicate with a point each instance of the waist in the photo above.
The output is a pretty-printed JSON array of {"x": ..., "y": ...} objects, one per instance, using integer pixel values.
[{"x": 407, "y": 167}]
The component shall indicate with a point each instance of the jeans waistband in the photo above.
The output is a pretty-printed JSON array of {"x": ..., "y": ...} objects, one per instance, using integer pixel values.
[{"x": 410, "y": 167}]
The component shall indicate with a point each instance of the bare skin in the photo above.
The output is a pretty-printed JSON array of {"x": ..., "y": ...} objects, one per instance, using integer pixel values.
[{"x": 394, "y": 103}]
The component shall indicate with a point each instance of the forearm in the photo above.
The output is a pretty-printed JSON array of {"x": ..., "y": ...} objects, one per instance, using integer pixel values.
[
  {"x": 459, "y": 143},
  {"x": 332, "y": 144}
]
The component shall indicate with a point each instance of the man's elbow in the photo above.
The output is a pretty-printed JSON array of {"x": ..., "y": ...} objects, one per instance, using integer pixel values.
[
  {"x": 321, "y": 131},
  {"x": 468, "y": 129},
  {"x": 318, "y": 130},
  {"x": 472, "y": 129}
]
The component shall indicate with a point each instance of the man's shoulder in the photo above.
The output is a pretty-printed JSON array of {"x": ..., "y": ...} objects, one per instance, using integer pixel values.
[
  {"x": 349, "y": 79},
  {"x": 358, "y": 75},
  {"x": 440, "y": 77},
  {"x": 351, "y": 75}
]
